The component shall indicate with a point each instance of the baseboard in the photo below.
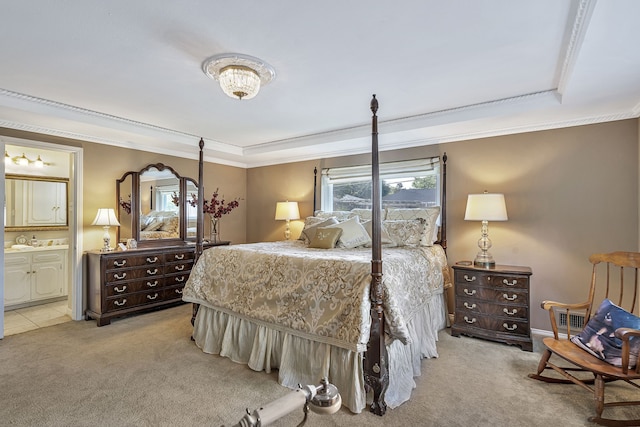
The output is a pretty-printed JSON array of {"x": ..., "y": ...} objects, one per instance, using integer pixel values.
[{"x": 545, "y": 333}]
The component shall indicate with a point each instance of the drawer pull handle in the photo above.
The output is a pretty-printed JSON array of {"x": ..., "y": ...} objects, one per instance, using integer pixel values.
[
  {"x": 152, "y": 260},
  {"x": 469, "y": 292},
  {"x": 510, "y": 313},
  {"x": 512, "y": 328},
  {"x": 120, "y": 303},
  {"x": 117, "y": 276},
  {"x": 180, "y": 279},
  {"x": 470, "y": 307},
  {"x": 179, "y": 291},
  {"x": 152, "y": 284},
  {"x": 506, "y": 282},
  {"x": 152, "y": 272},
  {"x": 469, "y": 279},
  {"x": 508, "y": 298},
  {"x": 120, "y": 263},
  {"x": 473, "y": 320},
  {"x": 179, "y": 256},
  {"x": 124, "y": 288},
  {"x": 180, "y": 267},
  {"x": 152, "y": 297}
]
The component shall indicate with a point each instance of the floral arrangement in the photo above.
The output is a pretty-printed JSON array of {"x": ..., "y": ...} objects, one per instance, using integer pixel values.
[
  {"x": 126, "y": 204},
  {"x": 215, "y": 207}
]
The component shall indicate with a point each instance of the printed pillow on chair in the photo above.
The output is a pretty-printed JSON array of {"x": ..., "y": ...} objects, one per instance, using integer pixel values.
[{"x": 598, "y": 336}]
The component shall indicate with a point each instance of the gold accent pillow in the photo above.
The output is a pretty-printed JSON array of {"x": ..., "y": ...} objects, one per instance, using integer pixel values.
[
  {"x": 325, "y": 238},
  {"x": 310, "y": 231}
]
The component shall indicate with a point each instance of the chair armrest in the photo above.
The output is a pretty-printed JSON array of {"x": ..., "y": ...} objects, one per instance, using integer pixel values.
[
  {"x": 548, "y": 305},
  {"x": 625, "y": 334}
]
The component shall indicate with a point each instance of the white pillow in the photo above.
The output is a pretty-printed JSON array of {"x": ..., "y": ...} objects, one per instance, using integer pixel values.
[
  {"x": 430, "y": 215},
  {"x": 353, "y": 234},
  {"x": 339, "y": 215},
  {"x": 385, "y": 239}
]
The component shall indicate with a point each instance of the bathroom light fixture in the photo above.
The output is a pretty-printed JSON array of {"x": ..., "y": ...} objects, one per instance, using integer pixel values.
[
  {"x": 24, "y": 160},
  {"x": 287, "y": 211},
  {"x": 485, "y": 207},
  {"x": 240, "y": 76},
  {"x": 106, "y": 217}
]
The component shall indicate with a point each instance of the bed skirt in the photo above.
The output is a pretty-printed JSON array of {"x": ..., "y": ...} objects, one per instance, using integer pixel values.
[{"x": 303, "y": 361}]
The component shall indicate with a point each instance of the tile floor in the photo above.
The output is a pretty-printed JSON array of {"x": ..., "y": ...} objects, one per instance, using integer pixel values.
[{"x": 39, "y": 316}]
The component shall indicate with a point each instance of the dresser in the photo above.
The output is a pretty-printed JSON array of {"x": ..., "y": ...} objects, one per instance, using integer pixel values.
[
  {"x": 123, "y": 283},
  {"x": 493, "y": 303}
]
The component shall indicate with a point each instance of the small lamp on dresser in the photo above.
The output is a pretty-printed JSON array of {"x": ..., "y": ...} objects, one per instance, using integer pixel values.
[
  {"x": 485, "y": 207},
  {"x": 287, "y": 211},
  {"x": 106, "y": 217}
]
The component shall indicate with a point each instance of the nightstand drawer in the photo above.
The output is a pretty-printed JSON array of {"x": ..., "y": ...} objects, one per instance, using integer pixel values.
[
  {"x": 490, "y": 323},
  {"x": 493, "y": 280},
  {"x": 514, "y": 296},
  {"x": 470, "y": 306}
]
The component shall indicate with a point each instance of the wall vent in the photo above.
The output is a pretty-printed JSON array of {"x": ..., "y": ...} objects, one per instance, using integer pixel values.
[{"x": 576, "y": 320}]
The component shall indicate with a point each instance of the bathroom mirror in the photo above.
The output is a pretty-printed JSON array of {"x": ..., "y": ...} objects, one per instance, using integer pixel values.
[{"x": 36, "y": 203}]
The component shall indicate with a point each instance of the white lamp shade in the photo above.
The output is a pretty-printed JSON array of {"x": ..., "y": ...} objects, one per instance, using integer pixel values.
[
  {"x": 105, "y": 216},
  {"x": 486, "y": 207},
  {"x": 287, "y": 210}
]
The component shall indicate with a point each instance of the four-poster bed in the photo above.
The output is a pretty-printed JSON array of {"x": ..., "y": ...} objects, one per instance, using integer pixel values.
[{"x": 334, "y": 312}]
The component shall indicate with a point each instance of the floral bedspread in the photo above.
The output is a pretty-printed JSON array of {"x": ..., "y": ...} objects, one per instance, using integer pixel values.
[{"x": 318, "y": 294}]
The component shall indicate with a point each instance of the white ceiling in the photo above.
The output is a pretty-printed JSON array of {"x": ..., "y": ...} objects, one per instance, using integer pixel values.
[{"x": 129, "y": 72}]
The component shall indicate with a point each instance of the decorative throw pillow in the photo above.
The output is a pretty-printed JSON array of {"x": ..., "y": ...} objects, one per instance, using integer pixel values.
[
  {"x": 308, "y": 222},
  {"x": 385, "y": 239},
  {"x": 405, "y": 232},
  {"x": 598, "y": 336},
  {"x": 310, "y": 231},
  {"x": 430, "y": 215},
  {"x": 365, "y": 214},
  {"x": 353, "y": 234},
  {"x": 170, "y": 224},
  {"x": 325, "y": 237},
  {"x": 155, "y": 225}
]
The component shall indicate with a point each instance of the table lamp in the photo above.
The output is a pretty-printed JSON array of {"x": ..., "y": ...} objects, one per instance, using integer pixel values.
[
  {"x": 485, "y": 207},
  {"x": 106, "y": 217},
  {"x": 287, "y": 211}
]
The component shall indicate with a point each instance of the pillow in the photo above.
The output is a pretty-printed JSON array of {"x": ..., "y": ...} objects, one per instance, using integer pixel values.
[
  {"x": 308, "y": 222},
  {"x": 170, "y": 224},
  {"x": 325, "y": 237},
  {"x": 366, "y": 213},
  {"x": 339, "y": 215},
  {"x": 385, "y": 239},
  {"x": 430, "y": 215},
  {"x": 310, "y": 231},
  {"x": 405, "y": 232},
  {"x": 598, "y": 336},
  {"x": 353, "y": 234},
  {"x": 155, "y": 225}
]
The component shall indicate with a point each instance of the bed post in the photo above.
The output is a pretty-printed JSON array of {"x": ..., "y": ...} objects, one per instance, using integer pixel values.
[
  {"x": 376, "y": 372},
  {"x": 199, "y": 218},
  {"x": 443, "y": 204},
  {"x": 315, "y": 188}
]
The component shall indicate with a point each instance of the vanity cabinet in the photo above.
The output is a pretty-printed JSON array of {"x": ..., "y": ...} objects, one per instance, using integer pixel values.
[
  {"x": 123, "y": 283},
  {"x": 46, "y": 203},
  {"x": 34, "y": 275}
]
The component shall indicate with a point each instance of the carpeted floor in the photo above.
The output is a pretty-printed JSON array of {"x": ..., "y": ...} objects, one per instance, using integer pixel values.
[{"x": 145, "y": 371}]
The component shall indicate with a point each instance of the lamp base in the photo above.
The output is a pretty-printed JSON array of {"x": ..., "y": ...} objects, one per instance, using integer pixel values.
[{"x": 484, "y": 260}]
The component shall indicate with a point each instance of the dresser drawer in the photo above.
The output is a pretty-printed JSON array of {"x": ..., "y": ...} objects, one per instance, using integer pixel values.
[
  {"x": 177, "y": 279},
  {"x": 178, "y": 267},
  {"x": 173, "y": 292},
  {"x": 133, "y": 300},
  {"x": 181, "y": 255},
  {"x": 134, "y": 261},
  {"x": 133, "y": 273},
  {"x": 125, "y": 288}
]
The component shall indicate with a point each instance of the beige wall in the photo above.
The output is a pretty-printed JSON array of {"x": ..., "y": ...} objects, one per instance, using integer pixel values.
[
  {"x": 104, "y": 164},
  {"x": 569, "y": 193}
]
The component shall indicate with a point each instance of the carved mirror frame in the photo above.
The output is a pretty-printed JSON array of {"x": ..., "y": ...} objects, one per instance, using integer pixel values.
[{"x": 132, "y": 218}]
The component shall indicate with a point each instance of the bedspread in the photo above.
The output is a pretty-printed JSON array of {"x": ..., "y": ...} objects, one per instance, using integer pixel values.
[{"x": 317, "y": 294}]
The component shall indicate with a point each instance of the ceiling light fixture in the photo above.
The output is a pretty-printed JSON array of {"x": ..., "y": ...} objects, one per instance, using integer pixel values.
[{"x": 240, "y": 76}]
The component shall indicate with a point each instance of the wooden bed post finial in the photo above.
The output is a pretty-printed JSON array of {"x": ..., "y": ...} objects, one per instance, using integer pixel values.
[{"x": 374, "y": 105}]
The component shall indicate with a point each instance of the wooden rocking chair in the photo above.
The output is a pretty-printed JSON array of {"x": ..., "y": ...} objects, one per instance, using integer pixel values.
[{"x": 615, "y": 276}]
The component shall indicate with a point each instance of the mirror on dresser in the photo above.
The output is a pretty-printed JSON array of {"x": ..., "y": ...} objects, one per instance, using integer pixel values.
[
  {"x": 153, "y": 206},
  {"x": 36, "y": 203}
]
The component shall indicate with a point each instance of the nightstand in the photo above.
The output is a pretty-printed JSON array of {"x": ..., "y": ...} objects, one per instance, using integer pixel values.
[{"x": 493, "y": 303}]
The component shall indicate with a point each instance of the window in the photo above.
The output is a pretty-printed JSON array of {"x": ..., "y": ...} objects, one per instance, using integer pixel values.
[{"x": 407, "y": 184}]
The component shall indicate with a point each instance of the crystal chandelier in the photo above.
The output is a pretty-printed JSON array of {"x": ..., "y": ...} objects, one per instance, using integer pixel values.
[{"x": 240, "y": 76}]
